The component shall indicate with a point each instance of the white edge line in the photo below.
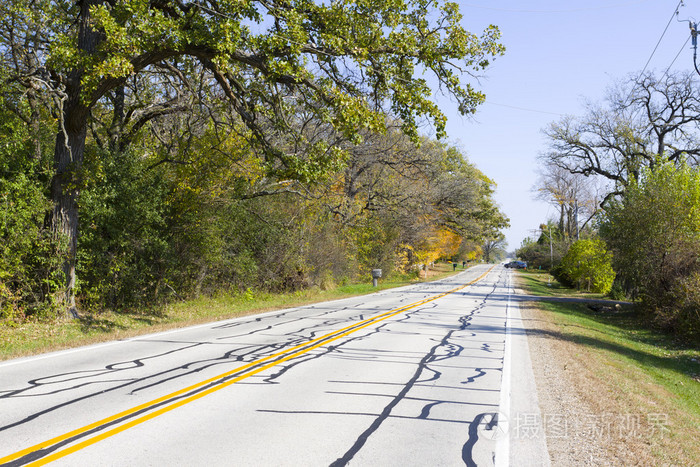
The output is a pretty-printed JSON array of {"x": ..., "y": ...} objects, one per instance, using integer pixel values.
[{"x": 502, "y": 457}]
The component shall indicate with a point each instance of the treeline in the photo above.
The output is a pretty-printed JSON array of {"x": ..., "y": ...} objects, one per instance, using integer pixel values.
[
  {"x": 153, "y": 150},
  {"x": 175, "y": 214},
  {"x": 626, "y": 182}
]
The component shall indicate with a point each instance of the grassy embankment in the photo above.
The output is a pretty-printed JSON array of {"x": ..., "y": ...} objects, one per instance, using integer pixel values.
[
  {"x": 30, "y": 337},
  {"x": 628, "y": 368}
]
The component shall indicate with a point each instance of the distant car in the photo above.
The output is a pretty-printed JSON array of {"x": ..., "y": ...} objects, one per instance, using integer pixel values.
[{"x": 517, "y": 265}]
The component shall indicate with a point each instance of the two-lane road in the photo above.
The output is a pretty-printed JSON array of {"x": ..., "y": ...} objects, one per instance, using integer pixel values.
[{"x": 410, "y": 376}]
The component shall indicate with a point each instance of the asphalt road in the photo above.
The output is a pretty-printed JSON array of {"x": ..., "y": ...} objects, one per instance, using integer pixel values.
[{"x": 430, "y": 374}]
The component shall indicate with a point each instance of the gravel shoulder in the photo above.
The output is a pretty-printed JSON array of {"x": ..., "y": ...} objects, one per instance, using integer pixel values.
[{"x": 561, "y": 403}]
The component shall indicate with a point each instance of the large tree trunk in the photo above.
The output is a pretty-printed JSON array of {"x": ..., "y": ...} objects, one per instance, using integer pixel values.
[{"x": 68, "y": 156}]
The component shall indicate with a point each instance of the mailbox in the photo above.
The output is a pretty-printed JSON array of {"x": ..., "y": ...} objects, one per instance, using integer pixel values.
[{"x": 376, "y": 274}]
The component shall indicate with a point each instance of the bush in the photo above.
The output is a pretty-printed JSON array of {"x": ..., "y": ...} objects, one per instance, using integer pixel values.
[
  {"x": 124, "y": 244},
  {"x": 683, "y": 316},
  {"x": 30, "y": 273},
  {"x": 588, "y": 265}
]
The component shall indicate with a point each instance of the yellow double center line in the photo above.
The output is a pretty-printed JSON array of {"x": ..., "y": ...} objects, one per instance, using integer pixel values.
[{"x": 217, "y": 383}]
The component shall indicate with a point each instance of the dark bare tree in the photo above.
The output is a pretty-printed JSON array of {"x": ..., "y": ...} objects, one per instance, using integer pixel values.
[
  {"x": 642, "y": 122},
  {"x": 494, "y": 247},
  {"x": 575, "y": 196}
]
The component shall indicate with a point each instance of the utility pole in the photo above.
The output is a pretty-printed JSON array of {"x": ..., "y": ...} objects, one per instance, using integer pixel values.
[
  {"x": 694, "y": 37},
  {"x": 551, "y": 251},
  {"x": 576, "y": 217}
]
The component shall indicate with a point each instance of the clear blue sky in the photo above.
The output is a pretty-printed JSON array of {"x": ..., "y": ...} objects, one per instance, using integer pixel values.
[{"x": 558, "y": 54}]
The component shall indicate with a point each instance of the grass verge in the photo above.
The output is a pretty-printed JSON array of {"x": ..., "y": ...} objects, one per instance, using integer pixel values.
[
  {"x": 621, "y": 367},
  {"x": 30, "y": 338},
  {"x": 543, "y": 284}
]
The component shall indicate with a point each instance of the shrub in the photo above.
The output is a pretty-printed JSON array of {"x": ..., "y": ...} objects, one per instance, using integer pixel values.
[
  {"x": 684, "y": 315},
  {"x": 588, "y": 265},
  {"x": 30, "y": 274}
]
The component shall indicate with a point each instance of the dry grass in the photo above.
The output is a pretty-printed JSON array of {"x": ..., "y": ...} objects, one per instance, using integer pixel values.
[{"x": 30, "y": 338}]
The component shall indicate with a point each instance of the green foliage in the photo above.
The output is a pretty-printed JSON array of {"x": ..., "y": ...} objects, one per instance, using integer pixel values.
[
  {"x": 29, "y": 267},
  {"x": 123, "y": 247},
  {"x": 494, "y": 248},
  {"x": 654, "y": 232},
  {"x": 588, "y": 265},
  {"x": 347, "y": 63},
  {"x": 377, "y": 243},
  {"x": 684, "y": 313},
  {"x": 264, "y": 249},
  {"x": 152, "y": 233}
]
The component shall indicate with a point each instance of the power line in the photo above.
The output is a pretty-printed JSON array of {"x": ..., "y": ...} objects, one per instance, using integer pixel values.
[
  {"x": 675, "y": 12},
  {"x": 676, "y": 58}
]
